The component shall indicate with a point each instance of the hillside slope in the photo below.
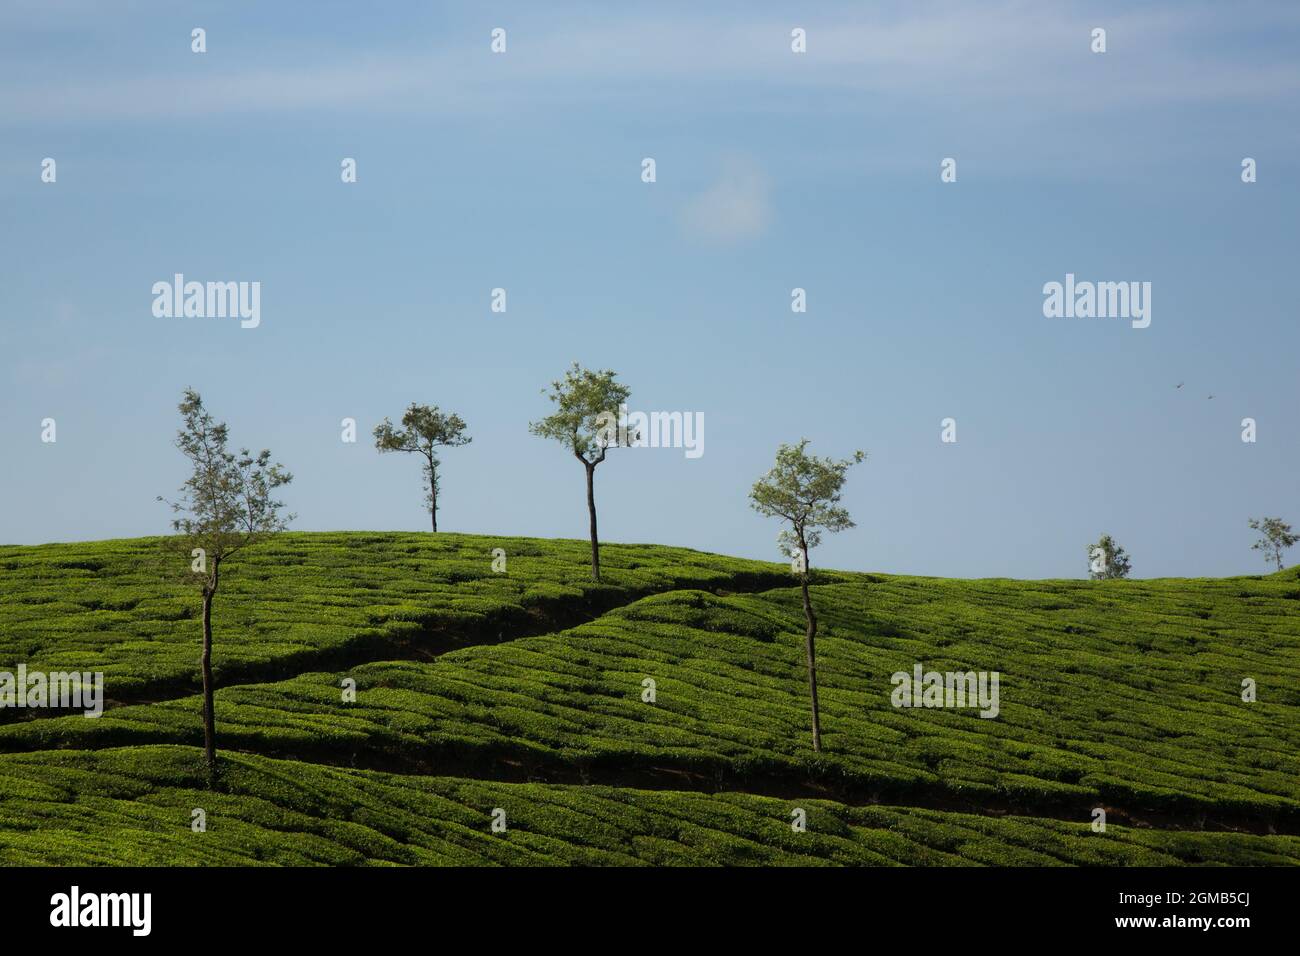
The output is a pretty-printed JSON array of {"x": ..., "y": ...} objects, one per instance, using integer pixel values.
[
  {"x": 1120, "y": 694},
  {"x": 306, "y": 601},
  {"x": 136, "y": 806}
]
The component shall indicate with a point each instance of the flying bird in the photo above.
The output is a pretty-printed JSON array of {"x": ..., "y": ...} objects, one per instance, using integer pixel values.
[{"x": 1179, "y": 385}]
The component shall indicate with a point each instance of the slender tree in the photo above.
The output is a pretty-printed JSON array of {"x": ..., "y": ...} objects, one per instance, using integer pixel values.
[
  {"x": 424, "y": 430},
  {"x": 805, "y": 491},
  {"x": 585, "y": 421},
  {"x": 1107, "y": 560},
  {"x": 224, "y": 506},
  {"x": 1275, "y": 537}
]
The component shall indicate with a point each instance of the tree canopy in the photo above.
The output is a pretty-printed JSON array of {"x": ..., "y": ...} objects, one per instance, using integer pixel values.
[
  {"x": 805, "y": 490},
  {"x": 586, "y": 413}
]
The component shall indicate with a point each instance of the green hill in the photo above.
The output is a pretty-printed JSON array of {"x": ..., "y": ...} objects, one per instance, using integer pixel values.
[
  {"x": 311, "y": 600},
  {"x": 135, "y": 807},
  {"x": 526, "y": 686}
]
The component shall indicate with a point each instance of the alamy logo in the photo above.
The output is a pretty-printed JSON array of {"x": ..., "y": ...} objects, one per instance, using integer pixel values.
[
  {"x": 951, "y": 689},
  {"x": 103, "y": 909},
  {"x": 208, "y": 300},
  {"x": 1098, "y": 300},
  {"x": 64, "y": 690},
  {"x": 653, "y": 430}
]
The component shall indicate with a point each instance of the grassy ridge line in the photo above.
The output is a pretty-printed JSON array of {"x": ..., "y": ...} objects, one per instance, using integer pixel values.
[
  {"x": 316, "y": 601},
  {"x": 133, "y": 807},
  {"x": 1124, "y": 694}
]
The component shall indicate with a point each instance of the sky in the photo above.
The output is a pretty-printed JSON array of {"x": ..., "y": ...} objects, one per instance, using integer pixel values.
[{"x": 774, "y": 170}]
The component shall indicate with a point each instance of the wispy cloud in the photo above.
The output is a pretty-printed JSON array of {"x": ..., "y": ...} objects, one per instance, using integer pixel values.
[
  {"x": 1015, "y": 51},
  {"x": 733, "y": 209}
]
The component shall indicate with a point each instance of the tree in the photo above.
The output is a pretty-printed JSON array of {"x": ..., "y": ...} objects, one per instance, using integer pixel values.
[
  {"x": 805, "y": 491},
  {"x": 424, "y": 430},
  {"x": 1107, "y": 560},
  {"x": 585, "y": 421},
  {"x": 1275, "y": 538},
  {"x": 225, "y": 505}
]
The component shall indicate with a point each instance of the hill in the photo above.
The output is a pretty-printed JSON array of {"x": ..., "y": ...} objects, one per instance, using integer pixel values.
[{"x": 1123, "y": 694}]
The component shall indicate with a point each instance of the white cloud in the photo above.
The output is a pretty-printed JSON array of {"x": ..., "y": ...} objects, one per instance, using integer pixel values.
[
  {"x": 733, "y": 209},
  {"x": 1015, "y": 54}
]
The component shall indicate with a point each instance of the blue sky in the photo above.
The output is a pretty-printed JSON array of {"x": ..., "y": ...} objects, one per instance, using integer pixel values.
[{"x": 774, "y": 170}]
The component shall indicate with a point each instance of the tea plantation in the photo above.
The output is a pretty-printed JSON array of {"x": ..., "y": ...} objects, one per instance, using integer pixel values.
[
  {"x": 529, "y": 689},
  {"x": 135, "y": 807},
  {"x": 123, "y": 607}
]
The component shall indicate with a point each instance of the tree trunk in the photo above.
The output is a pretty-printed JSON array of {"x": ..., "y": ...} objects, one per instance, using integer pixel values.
[
  {"x": 810, "y": 648},
  {"x": 591, "y": 510},
  {"x": 205, "y": 663},
  {"x": 433, "y": 494}
]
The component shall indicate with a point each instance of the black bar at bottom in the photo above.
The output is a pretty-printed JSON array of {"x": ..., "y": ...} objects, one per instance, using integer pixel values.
[{"x": 330, "y": 905}]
